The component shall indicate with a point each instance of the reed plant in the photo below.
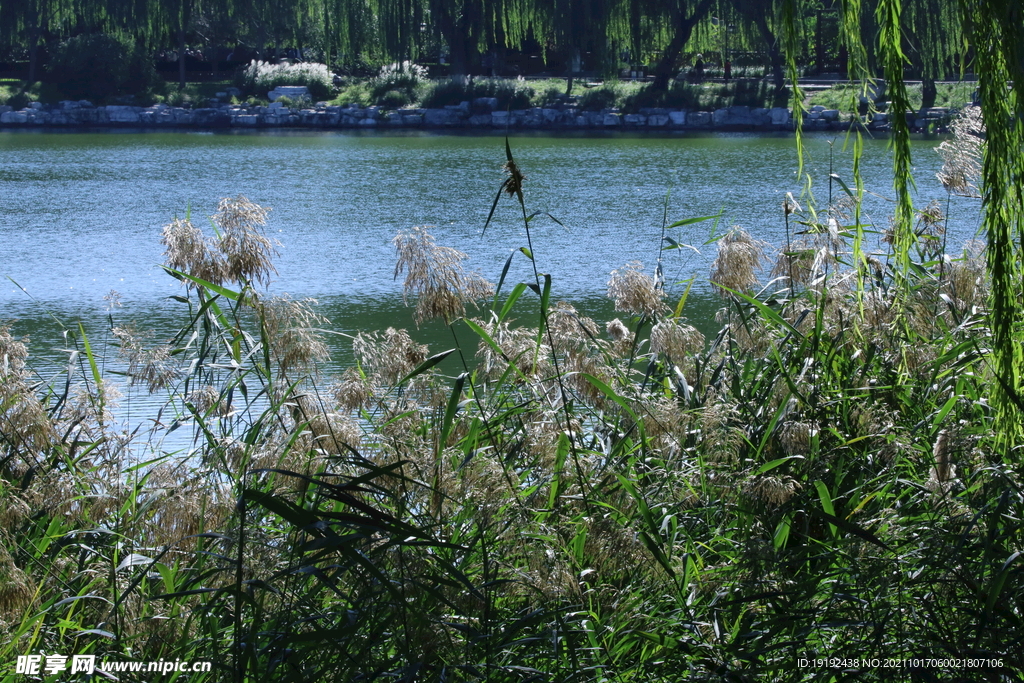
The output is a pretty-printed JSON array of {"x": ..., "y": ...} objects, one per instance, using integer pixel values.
[{"x": 579, "y": 501}]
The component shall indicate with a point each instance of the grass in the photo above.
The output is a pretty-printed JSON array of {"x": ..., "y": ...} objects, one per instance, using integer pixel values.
[
  {"x": 576, "y": 504},
  {"x": 8, "y": 88},
  {"x": 628, "y": 96},
  {"x": 353, "y": 91},
  {"x": 194, "y": 92},
  {"x": 845, "y": 97},
  {"x": 19, "y": 94}
]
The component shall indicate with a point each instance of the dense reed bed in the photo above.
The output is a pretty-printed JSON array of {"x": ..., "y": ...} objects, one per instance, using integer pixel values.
[{"x": 619, "y": 500}]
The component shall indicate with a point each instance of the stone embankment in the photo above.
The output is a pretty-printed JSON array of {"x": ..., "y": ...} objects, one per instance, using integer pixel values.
[{"x": 481, "y": 114}]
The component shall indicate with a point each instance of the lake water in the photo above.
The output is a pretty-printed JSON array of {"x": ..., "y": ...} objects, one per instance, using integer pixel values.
[{"x": 81, "y": 213}]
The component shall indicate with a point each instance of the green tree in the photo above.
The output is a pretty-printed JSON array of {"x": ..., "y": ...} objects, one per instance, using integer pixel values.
[
  {"x": 578, "y": 27},
  {"x": 763, "y": 16},
  {"x": 177, "y": 17},
  {"x": 993, "y": 30},
  {"x": 28, "y": 23},
  {"x": 680, "y": 17}
]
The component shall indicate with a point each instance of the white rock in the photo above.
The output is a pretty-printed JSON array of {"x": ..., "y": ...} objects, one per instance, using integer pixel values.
[
  {"x": 779, "y": 116},
  {"x": 122, "y": 114},
  {"x": 699, "y": 118},
  {"x": 292, "y": 92}
]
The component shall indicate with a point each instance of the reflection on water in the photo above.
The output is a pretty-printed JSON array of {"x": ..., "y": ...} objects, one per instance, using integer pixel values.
[
  {"x": 346, "y": 316},
  {"x": 81, "y": 214}
]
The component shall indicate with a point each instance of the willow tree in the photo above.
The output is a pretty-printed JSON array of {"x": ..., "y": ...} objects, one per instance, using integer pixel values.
[
  {"x": 994, "y": 31},
  {"x": 576, "y": 27},
  {"x": 461, "y": 24},
  {"x": 931, "y": 36},
  {"x": 176, "y": 16},
  {"x": 470, "y": 27},
  {"x": 764, "y": 15},
  {"x": 674, "y": 22},
  {"x": 29, "y": 22},
  {"x": 282, "y": 22},
  {"x": 934, "y": 37}
]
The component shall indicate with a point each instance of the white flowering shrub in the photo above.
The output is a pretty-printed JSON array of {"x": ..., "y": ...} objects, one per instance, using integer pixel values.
[
  {"x": 397, "y": 84},
  {"x": 262, "y": 77}
]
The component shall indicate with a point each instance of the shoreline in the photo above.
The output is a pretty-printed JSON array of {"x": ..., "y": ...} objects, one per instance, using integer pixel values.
[{"x": 480, "y": 115}]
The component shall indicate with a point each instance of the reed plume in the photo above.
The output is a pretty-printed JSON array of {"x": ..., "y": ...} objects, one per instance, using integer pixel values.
[
  {"x": 961, "y": 154},
  {"x": 291, "y": 329},
  {"x": 635, "y": 291},
  {"x": 248, "y": 253},
  {"x": 675, "y": 339},
  {"x": 739, "y": 258},
  {"x": 435, "y": 276}
]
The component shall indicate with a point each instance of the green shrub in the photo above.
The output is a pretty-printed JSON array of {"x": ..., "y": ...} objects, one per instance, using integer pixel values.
[
  {"x": 393, "y": 99},
  {"x": 353, "y": 91},
  {"x": 18, "y": 100},
  {"x": 705, "y": 96},
  {"x": 549, "y": 92},
  {"x": 846, "y": 96},
  {"x": 99, "y": 66},
  {"x": 181, "y": 98},
  {"x": 602, "y": 97},
  {"x": 511, "y": 94},
  {"x": 8, "y": 91},
  {"x": 259, "y": 78},
  {"x": 397, "y": 84}
]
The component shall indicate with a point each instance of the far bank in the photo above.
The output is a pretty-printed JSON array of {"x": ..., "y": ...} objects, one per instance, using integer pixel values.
[{"x": 478, "y": 114}]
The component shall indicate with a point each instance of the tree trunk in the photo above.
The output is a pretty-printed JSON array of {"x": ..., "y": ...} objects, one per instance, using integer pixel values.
[
  {"x": 35, "y": 33},
  {"x": 184, "y": 18},
  {"x": 33, "y": 59},
  {"x": 663, "y": 71},
  {"x": 928, "y": 93},
  {"x": 450, "y": 29},
  {"x": 181, "y": 58},
  {"x": 771, "y": 43},
  {"x": 819, "y": 48},
  {"x": 572, "y": 66},
  {"x": 457, "y": 53}
]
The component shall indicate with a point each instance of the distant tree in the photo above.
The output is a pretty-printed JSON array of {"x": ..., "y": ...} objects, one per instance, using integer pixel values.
[
  {"x": 679, "y": 18},
  {"x": 934, "y": 39},
  {"x": 29, "y": 23},
  {"x": 764, "y": 15},
  {"x": 177, "y": 16},
  {"x": 578, "y": 27}
]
